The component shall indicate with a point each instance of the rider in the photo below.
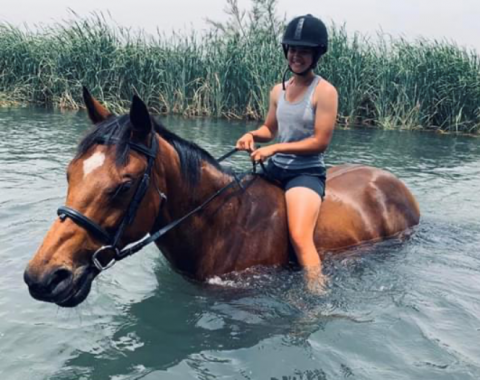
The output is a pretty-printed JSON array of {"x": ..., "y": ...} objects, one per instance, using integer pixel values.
[{"x": 303, "y": 112}]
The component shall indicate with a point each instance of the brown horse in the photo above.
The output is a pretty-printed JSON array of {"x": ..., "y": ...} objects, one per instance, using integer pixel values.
[{"x": 243, "y": 226}]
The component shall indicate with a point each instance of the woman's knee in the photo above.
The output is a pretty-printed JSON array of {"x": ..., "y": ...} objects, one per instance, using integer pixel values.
[{"x": 300, "y": 238}]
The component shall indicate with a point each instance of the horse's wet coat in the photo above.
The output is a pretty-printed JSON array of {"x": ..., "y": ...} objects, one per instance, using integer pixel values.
[{"x": 242, "y": 228}]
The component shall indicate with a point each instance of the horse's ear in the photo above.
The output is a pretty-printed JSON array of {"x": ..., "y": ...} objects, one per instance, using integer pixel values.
[
  {"x": 96, "y": 112},
  {"x": 140, "y": 119}
]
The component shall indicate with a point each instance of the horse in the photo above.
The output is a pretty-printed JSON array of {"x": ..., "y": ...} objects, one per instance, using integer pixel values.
[{"x": 132, "y": 176}]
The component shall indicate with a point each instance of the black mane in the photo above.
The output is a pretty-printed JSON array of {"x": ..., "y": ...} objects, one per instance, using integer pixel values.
[{"x": 116, "y": 130}]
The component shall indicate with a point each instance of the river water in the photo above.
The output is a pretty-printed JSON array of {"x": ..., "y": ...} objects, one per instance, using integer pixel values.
[{"x": 397, "y": 310}]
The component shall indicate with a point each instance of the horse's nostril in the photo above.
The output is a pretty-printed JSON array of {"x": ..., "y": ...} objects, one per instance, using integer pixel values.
[{"x": 57, "y": 277}]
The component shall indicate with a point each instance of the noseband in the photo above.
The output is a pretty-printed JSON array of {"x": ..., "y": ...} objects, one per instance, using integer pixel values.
[{"x": 111, "y": 240}]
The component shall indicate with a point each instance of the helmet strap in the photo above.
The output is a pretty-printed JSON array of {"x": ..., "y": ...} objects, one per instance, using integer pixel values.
[
  {"x": 284, "y": 77},
  {"x": 303, "y": 73}
]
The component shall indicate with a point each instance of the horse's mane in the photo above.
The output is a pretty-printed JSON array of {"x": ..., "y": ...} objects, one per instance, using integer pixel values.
[{"x": 116, "y": 131}]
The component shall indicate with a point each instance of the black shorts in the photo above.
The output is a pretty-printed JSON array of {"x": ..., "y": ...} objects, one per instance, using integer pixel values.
[{"x": 311, "y": 178}]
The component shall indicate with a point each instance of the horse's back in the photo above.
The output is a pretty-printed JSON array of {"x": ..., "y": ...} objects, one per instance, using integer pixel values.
[{"x": 363, "y": 204}]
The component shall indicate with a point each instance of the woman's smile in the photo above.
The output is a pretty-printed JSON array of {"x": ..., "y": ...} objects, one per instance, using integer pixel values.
[
  {"x": 297, "y": 63},
  {"x": 299, "y": 59}
]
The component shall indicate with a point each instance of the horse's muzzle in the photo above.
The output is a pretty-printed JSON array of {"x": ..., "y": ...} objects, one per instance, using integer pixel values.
[{"x": 60, "y": 285}]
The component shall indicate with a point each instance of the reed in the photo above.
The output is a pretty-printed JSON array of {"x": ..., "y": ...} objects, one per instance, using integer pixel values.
[{"x": 228, "y": 72}]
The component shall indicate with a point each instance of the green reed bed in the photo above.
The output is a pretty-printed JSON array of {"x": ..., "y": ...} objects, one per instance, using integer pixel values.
[{"x": 228, "y": 72}]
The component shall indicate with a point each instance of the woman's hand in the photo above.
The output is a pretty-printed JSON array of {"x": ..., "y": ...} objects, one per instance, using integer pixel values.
[
  {"x": 246, "y": 142},
  {"x": 261, "y": 154}
]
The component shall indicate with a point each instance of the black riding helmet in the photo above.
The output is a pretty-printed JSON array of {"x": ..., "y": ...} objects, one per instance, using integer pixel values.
[{"x": 306, "y": 31}]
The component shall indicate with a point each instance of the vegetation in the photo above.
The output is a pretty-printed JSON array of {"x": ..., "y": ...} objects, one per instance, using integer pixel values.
[{"x": 389, "y": 83}]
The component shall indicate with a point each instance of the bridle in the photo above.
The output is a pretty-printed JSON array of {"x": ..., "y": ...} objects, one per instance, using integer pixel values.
[{"x": 111, "y": 241}]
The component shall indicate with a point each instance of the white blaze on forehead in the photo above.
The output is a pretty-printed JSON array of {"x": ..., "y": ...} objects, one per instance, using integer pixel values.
[{"x": 93, "y": 162}]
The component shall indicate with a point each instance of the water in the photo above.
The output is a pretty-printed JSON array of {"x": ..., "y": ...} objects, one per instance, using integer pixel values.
[{"x": 394, "y": 311}]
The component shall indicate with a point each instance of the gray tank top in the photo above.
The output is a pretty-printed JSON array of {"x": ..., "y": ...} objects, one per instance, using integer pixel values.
[{"x": 296, "y": 122}]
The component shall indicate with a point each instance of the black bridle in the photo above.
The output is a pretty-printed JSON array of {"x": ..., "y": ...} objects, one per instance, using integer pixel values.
[{"x": 111, "y": 241}]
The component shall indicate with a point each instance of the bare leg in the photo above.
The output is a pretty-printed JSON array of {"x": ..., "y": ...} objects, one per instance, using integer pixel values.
[{"x": 303, "y": 207}]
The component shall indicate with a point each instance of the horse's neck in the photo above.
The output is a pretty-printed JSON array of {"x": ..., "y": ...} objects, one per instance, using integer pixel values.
[
  {"x": 240, "y": 228},
  {"x": 185, "y": 244},
  {"x": 182, "y": 197}
]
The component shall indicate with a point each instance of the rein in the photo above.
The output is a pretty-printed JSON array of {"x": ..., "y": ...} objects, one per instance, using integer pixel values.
[{"x": 112, "y": 241}]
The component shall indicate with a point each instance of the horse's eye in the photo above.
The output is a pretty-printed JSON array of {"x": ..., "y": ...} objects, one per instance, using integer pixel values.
[{"x": 121, "y": 189}]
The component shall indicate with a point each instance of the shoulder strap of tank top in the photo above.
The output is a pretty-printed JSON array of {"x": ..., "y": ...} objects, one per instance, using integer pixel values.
[{"x": 312, "y": 88}]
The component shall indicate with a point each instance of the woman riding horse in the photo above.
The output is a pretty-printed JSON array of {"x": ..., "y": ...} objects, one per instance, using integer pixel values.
[
  {"x": 110, "y": 204},
  {"x": 304, "y": 113}
]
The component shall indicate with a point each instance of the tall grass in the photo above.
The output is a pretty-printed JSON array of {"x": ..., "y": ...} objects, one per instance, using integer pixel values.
[{"x": 228, "y": 72}]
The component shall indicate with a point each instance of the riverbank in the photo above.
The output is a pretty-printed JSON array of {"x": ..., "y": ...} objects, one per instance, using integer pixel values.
[{"x": 228, "y": 72}]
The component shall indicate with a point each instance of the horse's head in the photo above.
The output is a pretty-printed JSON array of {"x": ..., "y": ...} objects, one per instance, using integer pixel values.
[{"x": 107, "y": 191}]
